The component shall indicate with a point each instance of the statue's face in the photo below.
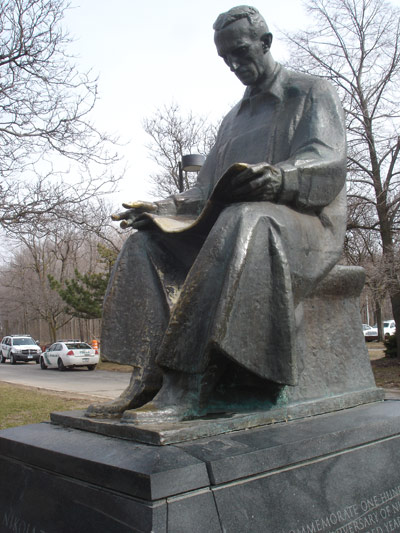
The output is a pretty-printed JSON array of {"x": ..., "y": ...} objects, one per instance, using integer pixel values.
[{"x": 243, "y": 52}]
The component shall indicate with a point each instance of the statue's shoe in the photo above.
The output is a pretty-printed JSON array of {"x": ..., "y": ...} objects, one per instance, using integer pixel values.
[
  {"x": 130, "y": 399},
  {"x": 112, "y": 409},
  {"x": 153, "y": 413}
]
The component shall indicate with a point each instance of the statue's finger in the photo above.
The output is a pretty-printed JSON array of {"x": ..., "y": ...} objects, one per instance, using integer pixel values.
[
  {"x": 242, "y": 177},
  {"x": 120, "y": 216},
  {"x": 252, "y": 171},
  {"x": 250, "y": 187},
  {"x": 247, "y": 178},
  {"x": 126, "y": 224},
  {"x": 141, "y": 224},
  {"x": 140, "y": 206}
]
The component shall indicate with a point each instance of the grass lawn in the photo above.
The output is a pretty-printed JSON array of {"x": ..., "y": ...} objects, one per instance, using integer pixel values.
[
  {"x": 113, "y": 367},
  {"x": 21, "y": 405},
  {"x": 386, "y": 370}
]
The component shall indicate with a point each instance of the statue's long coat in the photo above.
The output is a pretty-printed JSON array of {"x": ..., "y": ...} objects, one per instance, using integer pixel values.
[{"x": 174, "y": 298}]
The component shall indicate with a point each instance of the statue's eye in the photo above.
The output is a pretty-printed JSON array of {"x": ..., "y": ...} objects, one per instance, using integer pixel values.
[{"x": 241, "y": 50}]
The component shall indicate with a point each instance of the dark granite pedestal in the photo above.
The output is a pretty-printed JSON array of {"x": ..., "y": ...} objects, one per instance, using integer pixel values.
[{"x": 337, "y": 472}]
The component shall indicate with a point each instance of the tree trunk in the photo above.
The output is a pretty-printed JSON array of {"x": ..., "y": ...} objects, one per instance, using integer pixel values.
[
  {"x": 395, "y": 301},
  {"x": 378, "y": 317},
  {"x": 81, "y": 330},
  {"x": 53, "y": 332}
]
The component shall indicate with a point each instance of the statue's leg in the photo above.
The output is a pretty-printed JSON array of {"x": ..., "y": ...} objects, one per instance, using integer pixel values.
[
  {"x": 238, "y": 298},
  {"x": 143, "y": 286},
  {"x": 185, "y": 350}
]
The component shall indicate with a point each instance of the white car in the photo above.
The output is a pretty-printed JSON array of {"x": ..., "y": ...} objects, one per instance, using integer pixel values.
[
  {"x": 389, "y": 327},
  {"x": 371, "y": 333},
  {"x": 69, "y": 354},
  {"x": 19, "y": 348}
]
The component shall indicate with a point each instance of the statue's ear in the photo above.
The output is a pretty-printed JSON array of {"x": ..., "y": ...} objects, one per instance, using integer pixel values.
[{"x": 267, "y": 41}]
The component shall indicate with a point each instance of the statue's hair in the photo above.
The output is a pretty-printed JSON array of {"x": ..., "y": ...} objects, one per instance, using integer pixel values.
[{"x": 240, "y": 12}]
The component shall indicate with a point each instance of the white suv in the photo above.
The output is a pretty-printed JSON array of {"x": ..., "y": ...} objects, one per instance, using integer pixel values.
[
  {"x": 389, "y": 327},
  {"x": 19, "y": 348}
]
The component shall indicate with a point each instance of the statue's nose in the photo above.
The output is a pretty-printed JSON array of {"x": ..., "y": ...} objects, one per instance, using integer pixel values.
[{"x": 233, "y": 63}]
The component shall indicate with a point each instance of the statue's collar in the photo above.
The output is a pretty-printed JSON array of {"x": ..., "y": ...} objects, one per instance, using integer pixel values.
[{"x": 273, "y": 86}]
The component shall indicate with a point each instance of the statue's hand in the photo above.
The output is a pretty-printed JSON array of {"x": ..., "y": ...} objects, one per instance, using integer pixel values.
[
  {"x": 134, "y": 216},
  {"x": 260, "y": 182}
]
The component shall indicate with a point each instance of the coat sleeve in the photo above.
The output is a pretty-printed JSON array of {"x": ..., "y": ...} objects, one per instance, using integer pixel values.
[{"x": 315, "y": 172}]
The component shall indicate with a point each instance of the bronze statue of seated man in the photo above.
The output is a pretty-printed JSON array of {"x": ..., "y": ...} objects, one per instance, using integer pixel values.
[{"x": 207, "y": 294}]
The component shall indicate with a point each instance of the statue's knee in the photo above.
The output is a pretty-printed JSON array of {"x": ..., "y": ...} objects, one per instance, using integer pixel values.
[
  {"x": 137, "y": 238},
  {"x": 138, "y": 241},
  {"x": 248, "y": 214},
  {"x": 238, "y": 211}
]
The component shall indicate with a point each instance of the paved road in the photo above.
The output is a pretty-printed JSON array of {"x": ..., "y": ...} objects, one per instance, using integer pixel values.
[{"x": 100, "y": 383}]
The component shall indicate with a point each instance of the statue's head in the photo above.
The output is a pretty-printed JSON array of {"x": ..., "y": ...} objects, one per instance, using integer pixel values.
[{"x": 243, "y": 41}]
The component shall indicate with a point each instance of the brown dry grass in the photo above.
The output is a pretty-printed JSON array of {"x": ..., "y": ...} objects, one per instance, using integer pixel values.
[
  {"x": 113, "y": 367},
  {"x": 386, "y": 370},
  {"x": 20, "y": 405}
]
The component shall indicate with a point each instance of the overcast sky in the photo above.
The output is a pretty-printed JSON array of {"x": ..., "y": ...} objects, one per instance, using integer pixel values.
[{"x": 150, "y": 54}]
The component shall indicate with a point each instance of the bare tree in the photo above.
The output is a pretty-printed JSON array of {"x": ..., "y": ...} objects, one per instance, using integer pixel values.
[
  {"x": 362, "y": 248},
  {"x": 173, "y": 135},
  {"x": 44, "y": 118},
  {"x": 25, "y": 289},
  {"x": 356, "y": 44},
  {"x": 26, "y": 293}
]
